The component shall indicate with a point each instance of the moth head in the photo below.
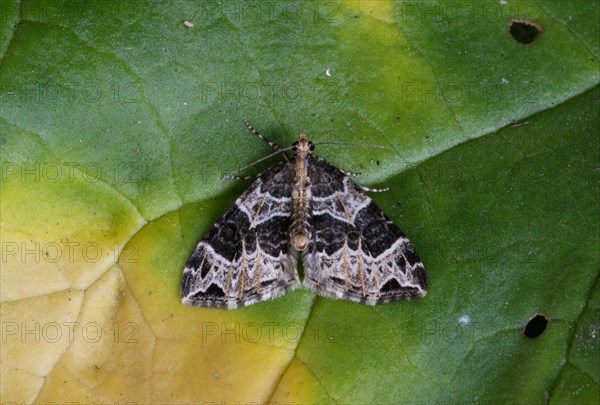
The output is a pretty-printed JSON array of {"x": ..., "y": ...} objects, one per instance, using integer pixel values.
[{"x": 303, "y": 144}]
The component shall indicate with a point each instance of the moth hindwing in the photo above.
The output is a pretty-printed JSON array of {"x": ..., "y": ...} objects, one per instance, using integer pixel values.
[{"x": 304, "y": 206}]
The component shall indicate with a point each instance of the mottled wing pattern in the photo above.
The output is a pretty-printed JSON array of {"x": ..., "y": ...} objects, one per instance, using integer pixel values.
[
  {"x": 245, "y": 257},
  {"x": 356, "y": 252}
]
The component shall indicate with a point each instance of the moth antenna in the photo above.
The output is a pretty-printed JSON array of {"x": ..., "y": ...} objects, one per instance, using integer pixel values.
[
  {"x": 261, "y": 136},
  {"x": 362, "y": 145},
  {"x": 280, "y": 151}
]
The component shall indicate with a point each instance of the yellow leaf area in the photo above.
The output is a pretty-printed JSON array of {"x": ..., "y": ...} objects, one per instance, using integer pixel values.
[{"x": 91, "y": 311}]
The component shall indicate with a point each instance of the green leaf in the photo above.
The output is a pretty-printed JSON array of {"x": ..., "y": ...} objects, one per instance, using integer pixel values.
[
  {"x": 117, "y": 122},
  {"x": 579, "y": 378}
]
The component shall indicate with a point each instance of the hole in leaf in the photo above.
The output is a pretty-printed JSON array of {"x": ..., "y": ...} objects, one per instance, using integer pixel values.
[
  {"x": 524, "y": 31},
  {"x": 536, "y": 326}
]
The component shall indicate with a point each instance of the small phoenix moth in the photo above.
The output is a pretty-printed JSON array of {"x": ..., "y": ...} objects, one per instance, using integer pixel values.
[{"x": 302, "y": 207}]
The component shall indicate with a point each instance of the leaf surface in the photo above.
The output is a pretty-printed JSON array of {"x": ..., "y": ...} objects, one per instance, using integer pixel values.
[{"x": 117, "y": 122}]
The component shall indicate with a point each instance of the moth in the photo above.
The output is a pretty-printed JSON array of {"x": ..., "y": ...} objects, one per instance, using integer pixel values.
[{"x": 302, "y": 207}]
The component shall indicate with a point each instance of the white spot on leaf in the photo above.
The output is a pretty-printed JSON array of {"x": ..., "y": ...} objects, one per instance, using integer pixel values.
[{"x": 464, "y": 320}]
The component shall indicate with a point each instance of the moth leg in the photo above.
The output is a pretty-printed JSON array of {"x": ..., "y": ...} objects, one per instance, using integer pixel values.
[
  {"x": 234, "y": 177},
  {"x": 375, "y": 190},
  {"x": 351, "y": 174},
  {"x": 260, "y": 136}
]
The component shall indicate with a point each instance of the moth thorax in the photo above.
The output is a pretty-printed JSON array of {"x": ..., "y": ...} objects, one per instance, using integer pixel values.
[{"x": 300, "y": 241}]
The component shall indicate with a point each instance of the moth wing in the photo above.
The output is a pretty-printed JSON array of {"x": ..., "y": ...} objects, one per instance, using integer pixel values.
[
  {"x": 245, "y": 257},
  {"x": 356, "y": 252}
]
